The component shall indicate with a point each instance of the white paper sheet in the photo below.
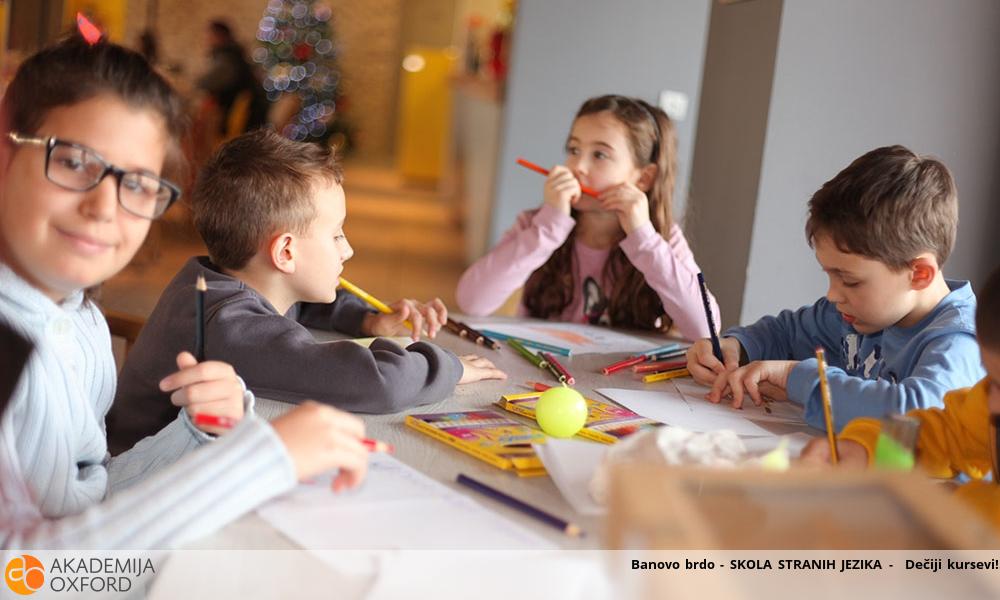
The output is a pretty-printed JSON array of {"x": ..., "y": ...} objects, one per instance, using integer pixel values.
[
  {"x": 397, "y": 508},
  {"x": 580, "y": 339},
  {"x": 571, "y": 464},
  {"x": 685, "y": 406}
]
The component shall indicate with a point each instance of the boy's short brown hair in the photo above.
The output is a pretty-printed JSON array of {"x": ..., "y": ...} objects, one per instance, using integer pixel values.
[
  {"x": 890, "y": 205},
  {"x": 255, "y": 186},
  {"x": 988, "y": 313}
]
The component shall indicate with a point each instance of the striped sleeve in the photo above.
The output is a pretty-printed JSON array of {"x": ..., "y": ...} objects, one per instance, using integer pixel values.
[{"x": 200, "y": 493}]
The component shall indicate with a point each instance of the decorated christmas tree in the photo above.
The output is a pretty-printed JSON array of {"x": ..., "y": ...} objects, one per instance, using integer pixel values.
[{"x": 299, "y": 56}]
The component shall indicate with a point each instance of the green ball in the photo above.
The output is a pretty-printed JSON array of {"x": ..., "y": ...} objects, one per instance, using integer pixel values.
[{"x": 561, "y": 412}]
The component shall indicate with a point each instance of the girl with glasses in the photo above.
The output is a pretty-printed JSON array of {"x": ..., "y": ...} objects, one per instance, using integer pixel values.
[{"x": 89, "y": 142}]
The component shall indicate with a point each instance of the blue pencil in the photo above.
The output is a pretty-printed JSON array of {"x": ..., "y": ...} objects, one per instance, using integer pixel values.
[
  {"x": 566, "y": 527},
  {"x": 526, "y": 342},
  {"x": 662, "y": 349}
]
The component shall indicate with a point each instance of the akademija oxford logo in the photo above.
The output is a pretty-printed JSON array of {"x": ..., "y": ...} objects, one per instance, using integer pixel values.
[{"x": 24, "y": 574}]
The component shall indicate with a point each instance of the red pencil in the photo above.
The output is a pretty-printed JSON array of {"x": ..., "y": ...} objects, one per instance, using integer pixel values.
[
  {"x": 558, "y": 367},
  {"x": 659, "y": 365},
  {"x": 623, "y": 364},
  {"x": 530, "y": 165},
  {"x": 229, "y": 423},
  {"x": 537, "y": 386}
]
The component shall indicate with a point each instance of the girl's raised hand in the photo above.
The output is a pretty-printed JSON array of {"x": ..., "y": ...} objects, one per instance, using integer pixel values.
[
  {"x": 210, "y": 387},
  {"x": 562, "y": 189},
  {"x": 319, "y": 438},
  {"x": 629, "y": 202}
]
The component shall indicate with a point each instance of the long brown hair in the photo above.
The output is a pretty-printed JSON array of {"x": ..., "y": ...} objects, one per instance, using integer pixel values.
[{"x": 631, "y": 302}]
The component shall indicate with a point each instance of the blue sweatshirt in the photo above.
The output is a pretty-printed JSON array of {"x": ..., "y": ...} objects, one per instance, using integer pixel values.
[{"x": 892, "y": 371}]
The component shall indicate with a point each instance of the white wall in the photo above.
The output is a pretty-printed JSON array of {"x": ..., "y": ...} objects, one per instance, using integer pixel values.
[{"x": 565, "y": 51}]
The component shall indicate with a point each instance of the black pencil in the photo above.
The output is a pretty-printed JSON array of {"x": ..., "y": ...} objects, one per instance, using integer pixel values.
[
  {"x": 199, "y": 318},
  {"x": 568, "y": 528},
  {"x": 716, "y": 346}
]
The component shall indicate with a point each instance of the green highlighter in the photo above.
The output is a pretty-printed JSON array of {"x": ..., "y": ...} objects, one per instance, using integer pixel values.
[{"x": 897, "y": 442}]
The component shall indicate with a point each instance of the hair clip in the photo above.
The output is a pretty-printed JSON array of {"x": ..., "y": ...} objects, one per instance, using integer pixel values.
[{"x": 88, "y": 30}]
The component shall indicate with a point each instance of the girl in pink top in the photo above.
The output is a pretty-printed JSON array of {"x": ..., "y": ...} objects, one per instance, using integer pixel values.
[{"x": 617, "y": 259}]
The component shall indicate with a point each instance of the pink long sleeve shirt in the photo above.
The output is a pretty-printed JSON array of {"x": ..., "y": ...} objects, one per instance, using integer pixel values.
[{"x": 667, "y": 264}]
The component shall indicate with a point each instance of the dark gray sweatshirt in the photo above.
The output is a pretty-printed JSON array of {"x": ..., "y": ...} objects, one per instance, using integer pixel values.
[{"x": 275, "y": 354}]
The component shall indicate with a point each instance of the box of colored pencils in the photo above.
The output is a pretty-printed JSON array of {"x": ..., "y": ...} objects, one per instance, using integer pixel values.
[{"x": 606, "y": 422}]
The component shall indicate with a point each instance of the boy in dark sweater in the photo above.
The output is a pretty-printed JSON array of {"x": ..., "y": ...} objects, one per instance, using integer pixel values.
[{"x": 271, "y": 212}]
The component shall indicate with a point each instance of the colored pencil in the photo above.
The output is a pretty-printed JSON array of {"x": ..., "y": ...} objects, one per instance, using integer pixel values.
[
  {"x": 623, "y": 364},
  {"x": 665, "y": 375},
  {"x": 659, "y": 365},
  {"x": 716, "y": 346},
  {"x": 529, "y": 343},
  {"x": 530, "y": 165},
  {"x": 377, "y": 304},
  {"x": 665, "y": 349},
  {"x": 199, "y": 318},
  {"x": 566, "y": 527},
  {"x": 229, "y": 422},
  {"x": 462, "y": 330},
  {"x": 559, "y": 367},
  {"x": 378, "y": 446},
  {"x": 667, "y": 355},
  {"x": 215, "y": 421},
  {"x": 480, "y": 337},
  {"x": 528, "y": 355},
  {"x": 824, "y": 390},
  {"x": 537, "y": 385},
  {"x": 555, "y": 372}
]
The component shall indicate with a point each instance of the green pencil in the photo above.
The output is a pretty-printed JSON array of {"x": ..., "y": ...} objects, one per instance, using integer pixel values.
[{"x": 530, "y": 356}]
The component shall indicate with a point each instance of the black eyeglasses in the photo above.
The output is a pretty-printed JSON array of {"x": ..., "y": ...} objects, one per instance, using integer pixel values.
[{"x": 76, "y": 167}]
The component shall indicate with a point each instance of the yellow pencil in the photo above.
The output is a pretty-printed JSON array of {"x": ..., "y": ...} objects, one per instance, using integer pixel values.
[
  {"x": 665, "y": 375},
  {"x": 377, "y": 304},
  {"x": 824, "y": 390}
]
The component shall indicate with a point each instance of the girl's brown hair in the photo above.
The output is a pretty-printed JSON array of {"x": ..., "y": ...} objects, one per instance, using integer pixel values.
[
  {"x": 631, "y": 302},
  {"x": 73, "y": 71}
]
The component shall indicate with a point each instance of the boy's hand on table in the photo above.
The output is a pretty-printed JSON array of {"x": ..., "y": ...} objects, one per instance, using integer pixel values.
[
  {"x": 849, "y": 453},
  {"x": 747, "y": 380},
  {"x": 319, "y": 438},
  {"x": 703, "y": 365},
  {"x": 477, "y": 368},
  {"x": 210, "y": 387}
]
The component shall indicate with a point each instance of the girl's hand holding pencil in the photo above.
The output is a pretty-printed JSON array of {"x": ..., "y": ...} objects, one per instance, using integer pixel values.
[
  {"x": 208, "y": 387},
  {"x": 562, "y": 189},
  {"x": 319, "y": 438}
]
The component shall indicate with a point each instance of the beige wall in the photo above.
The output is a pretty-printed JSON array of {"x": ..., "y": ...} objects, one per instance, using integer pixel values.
[{"x": 368, "y": 33}]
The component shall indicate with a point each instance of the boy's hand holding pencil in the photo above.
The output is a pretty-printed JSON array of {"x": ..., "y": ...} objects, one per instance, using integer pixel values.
[
  {"x": 705, "y": 367},
  {"x": 208, "y": 387},
  {"x": 849, "y": 453},
  {"x": 415, "y": 317}
]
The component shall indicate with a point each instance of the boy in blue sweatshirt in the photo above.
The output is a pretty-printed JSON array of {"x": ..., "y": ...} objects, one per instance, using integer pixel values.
[{"x": 896, "y": 333}]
